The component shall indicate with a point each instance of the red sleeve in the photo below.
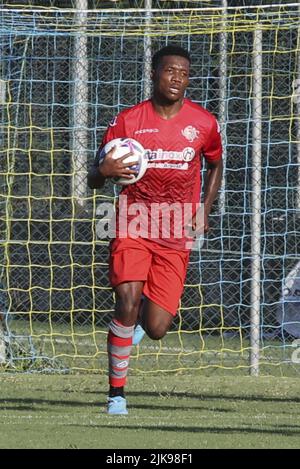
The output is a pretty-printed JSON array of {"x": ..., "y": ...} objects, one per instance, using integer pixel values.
[
  {"x": 115, "y": 129},
  {"x": 212, "y": 150}
]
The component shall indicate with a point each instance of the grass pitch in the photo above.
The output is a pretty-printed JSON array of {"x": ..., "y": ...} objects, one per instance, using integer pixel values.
[{"x": 165, "y": 411}]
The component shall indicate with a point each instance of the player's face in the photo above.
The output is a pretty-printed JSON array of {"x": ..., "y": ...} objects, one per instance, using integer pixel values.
[{"x": 171, "y": 78}]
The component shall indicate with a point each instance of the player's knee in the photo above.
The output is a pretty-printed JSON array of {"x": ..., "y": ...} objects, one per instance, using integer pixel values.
[
  {"x": 129, "y": 305},
  {"x": 156, "y": 333}
]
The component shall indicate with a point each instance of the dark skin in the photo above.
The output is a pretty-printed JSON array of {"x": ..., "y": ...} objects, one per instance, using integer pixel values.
[{"x": 170, "y": 81}]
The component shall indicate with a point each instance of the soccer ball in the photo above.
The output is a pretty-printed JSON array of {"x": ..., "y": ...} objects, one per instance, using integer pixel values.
[{"x": 123, "y": 146}]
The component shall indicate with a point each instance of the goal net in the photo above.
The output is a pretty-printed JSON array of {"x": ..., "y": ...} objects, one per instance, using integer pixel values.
[{"x": 64, "y": 75}]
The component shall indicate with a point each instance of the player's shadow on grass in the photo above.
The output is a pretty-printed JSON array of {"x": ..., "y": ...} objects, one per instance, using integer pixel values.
[
  {"x": 31, "y": 404},
  {"x": 35, "y": 405},
  {"x": 279, "y": 430},
  {"x": 19, "y": 408},
  {"x": 203, "y": 396},
  {"x": 182, "y": 407}
]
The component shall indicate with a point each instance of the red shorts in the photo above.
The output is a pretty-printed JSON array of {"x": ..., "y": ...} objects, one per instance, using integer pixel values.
[{"x": 162, "y": 269}]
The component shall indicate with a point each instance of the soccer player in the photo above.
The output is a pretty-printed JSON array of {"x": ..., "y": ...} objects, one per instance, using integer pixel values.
[{"x": 176, "y": 133}]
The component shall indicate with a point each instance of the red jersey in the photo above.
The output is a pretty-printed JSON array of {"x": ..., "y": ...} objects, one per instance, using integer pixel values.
[{"x": 174, "y": 148}]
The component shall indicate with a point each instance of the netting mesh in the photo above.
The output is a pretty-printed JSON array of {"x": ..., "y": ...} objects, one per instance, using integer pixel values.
[{"x": 55, "y": 295}]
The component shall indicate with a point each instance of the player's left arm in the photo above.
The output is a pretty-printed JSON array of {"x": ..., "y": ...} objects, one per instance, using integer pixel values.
[
  {"x": 212, "y": 184},
  {"x": 212, "y": 153}
]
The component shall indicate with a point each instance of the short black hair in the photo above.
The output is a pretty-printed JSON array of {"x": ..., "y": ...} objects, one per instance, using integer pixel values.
[{"x": 169, "y": 50}]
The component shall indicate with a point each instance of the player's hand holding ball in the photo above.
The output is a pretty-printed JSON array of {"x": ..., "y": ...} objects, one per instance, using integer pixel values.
[
  {"x": 112, "y": 167},
  {"x": 123, "y": 160}
]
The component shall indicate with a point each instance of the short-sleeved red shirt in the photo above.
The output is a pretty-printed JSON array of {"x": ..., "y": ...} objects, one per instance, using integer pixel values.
[{"x": 174, "y": 149}]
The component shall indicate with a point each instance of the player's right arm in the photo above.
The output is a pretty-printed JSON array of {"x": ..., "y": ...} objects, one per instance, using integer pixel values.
[
  {"x": 109, "y": 167},
  {"x": 95, "y": 179}
]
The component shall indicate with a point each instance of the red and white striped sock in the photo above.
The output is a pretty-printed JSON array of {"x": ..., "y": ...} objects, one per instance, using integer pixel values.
[{"x": 119, "y": 344}]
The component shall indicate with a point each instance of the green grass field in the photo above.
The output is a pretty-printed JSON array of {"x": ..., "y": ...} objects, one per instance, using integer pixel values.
[{"x": 165, "y": 411}]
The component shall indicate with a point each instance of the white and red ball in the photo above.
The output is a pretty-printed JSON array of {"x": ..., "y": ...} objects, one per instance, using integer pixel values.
[{"x": 124, "y": 146}]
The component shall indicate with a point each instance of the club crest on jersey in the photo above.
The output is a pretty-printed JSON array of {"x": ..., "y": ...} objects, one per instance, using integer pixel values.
[{"x": 190, "y": 133}]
